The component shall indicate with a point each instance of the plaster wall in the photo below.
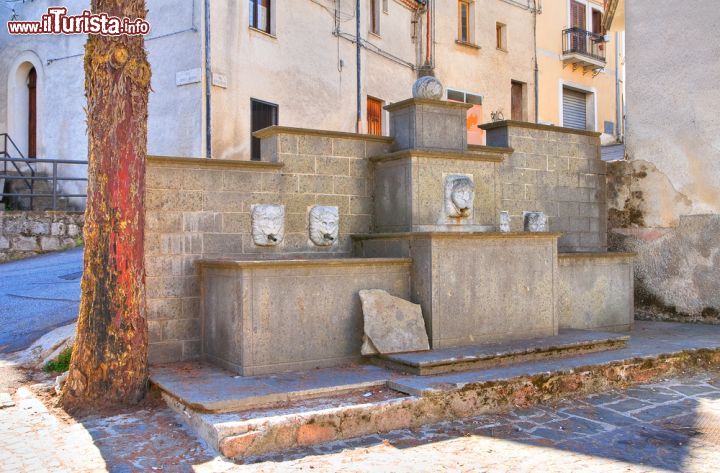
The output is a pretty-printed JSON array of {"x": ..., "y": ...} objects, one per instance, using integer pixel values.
[
  {"x": 174, "y": 123},
  {"x": 668, "y": 194},
  {"x": 481, "y": 68}
]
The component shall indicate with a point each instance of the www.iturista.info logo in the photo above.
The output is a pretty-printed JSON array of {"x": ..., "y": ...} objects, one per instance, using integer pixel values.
[{"x": 57, "y": 21}]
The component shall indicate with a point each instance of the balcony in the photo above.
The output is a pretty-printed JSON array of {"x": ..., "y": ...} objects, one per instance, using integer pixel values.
[{"x": 583, "y": 49}]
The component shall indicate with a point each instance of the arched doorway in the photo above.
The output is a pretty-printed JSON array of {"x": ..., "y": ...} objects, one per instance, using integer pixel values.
[{"x": 32, "y": 113}]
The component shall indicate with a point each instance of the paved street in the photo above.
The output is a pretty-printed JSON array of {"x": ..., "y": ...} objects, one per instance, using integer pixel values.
[
  {"x": 37, "y": 295},
  {"x": 670, "y": 426}
]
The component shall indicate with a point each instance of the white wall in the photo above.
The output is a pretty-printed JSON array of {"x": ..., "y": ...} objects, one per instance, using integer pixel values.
[{"x": 175, "y": 113}]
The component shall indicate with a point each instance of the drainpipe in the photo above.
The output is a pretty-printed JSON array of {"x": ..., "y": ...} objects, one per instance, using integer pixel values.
[
  {"x": 208, "y": 85},
  {"x": 618, "y": 112},
  {"x": 358, "y": 126},
  {"x": 537, "y": 69}
]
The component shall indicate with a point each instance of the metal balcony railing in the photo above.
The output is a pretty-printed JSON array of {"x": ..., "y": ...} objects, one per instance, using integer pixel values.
[
  {"x": 586, "y": 43},
  {"x": 15, "y": 167}
]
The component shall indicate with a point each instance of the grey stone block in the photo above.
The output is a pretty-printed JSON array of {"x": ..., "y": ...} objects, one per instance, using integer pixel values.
[{"x": 278, "y": 316}]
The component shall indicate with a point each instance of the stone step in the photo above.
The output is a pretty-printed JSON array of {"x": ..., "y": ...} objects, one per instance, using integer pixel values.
[
  {"x": 448, "y": 360},
  {"x": 657, "y": 350}
]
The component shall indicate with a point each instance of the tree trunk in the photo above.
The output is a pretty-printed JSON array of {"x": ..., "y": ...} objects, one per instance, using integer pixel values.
[{"x": 109, "y": 359}]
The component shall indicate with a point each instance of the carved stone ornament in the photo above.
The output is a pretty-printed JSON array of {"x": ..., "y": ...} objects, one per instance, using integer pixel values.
[
  {"x": 324, "y": 225},
  {"x": 268, "y": 224},
  {"x": 427, "y": 87},
  {"x": 504, "y": 222},
  {"x": 459, "y": 196},
  {"x": 535, "y": 222}
]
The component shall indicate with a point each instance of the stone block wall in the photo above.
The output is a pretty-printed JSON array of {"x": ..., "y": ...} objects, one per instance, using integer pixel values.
[
  {"x": 24, "y": 234},
  {"x": 198, "y": 208},
  {"x": 557, "y": 171}
]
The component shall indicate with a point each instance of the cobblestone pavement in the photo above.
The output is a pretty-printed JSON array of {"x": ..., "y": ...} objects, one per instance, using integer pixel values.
[{"x": 669, "y": 426}]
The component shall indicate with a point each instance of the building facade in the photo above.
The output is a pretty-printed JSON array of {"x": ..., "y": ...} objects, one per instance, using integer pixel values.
[
  {"x": 665, "y": 199},
  {"x": 221, "y": 73}
]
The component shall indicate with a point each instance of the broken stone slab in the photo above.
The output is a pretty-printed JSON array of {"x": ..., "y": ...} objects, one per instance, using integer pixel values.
[
  {"x": 392, "y": 325},
  {"x": 46, "y": 348}
]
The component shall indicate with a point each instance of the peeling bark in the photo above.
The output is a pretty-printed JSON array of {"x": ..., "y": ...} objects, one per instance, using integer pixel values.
[{"x": 109, "y": 360}]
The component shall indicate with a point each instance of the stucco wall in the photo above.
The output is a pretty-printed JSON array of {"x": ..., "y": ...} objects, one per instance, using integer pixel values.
[
  {"x": 664, "y": 201},
  {"x": 175, "y": 112}
]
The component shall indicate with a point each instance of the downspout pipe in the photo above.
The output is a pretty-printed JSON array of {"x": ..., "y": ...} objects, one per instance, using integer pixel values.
[
  {"x": 358, "y": 125},
  {"x": 618, "y": 113},
  {"x": 537, "y": 68},
  {"x": 208, "y": 85}
]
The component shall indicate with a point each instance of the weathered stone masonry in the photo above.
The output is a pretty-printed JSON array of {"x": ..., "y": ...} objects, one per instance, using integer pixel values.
[
  {"x": 200, "y": 209},
  {"x": 24, "y": 234}
]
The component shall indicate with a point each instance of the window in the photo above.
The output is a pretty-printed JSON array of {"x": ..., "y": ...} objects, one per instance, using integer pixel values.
[
  {"x": 501, "y": 36},
  {"x": 375, "y": 16},
  {"x": 464, "y": 16},
  {"x": 475, "y": 135},
  {"x": 374, "y": 116},
  {"x": 260, "y": 15},
  {"x": 262, "y": 115}
]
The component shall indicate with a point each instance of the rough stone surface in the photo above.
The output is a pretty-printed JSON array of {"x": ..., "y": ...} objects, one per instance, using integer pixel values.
[
  {"x": 596, "y": 291},
  {"x": 196, "y": 208},
  {"x": 24, "y": 234},
  {"x": 391, "y": 324},
  {"x": 659, "y": 351},
  {"x": 676, "y": 268},
  {"x": 280, "y": 316},
  {"x": 558, "y": 172},
  {"x": 464, "y": 299}
]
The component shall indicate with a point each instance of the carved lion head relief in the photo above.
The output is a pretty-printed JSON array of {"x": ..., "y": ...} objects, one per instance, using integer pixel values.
[
  {"x": 268, "y": 224},
  {"x": 535, "y": 222},
  {"x": 459, "y": 196},
  {"x": 324, "y": 225}
]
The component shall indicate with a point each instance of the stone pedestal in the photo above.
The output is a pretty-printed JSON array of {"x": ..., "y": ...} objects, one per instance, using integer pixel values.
[
  {"x": 596, "y": 291},
  {"x": 429, "y": 124},
  {"x": 412, "y": 190},
  {"x": 264, "y": 317},
  {"x": 477, "y": 287}
]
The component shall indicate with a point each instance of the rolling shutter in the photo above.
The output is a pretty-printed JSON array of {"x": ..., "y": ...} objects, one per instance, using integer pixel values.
[{"x": 574, "y": 109}]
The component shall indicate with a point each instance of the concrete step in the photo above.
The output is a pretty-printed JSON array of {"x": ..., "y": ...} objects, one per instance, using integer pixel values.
[
  {"x": 448, "y": 360},
  {"x": 656, "y": 350}
]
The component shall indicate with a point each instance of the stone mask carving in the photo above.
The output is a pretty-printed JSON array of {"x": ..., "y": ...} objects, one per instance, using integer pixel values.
[
  {"x": 504, "y": 221},
  {"x": 324, "y": 225},
  {"x": 535, "y": 221},
  {"x": 268, "y": 224},
  {"x": 460, "y": 197}
]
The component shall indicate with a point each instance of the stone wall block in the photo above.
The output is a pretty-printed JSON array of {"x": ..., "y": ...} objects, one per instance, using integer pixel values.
[
  {"x": 50, "y": 243},
  {"x": 317, "y": 145},
  {"x": 24, "y": 243}
]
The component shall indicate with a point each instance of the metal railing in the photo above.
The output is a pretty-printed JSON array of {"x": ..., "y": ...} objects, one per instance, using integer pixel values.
[
  {"x": 587, "y": 43},
  {"x": 16, "y": 167}
]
